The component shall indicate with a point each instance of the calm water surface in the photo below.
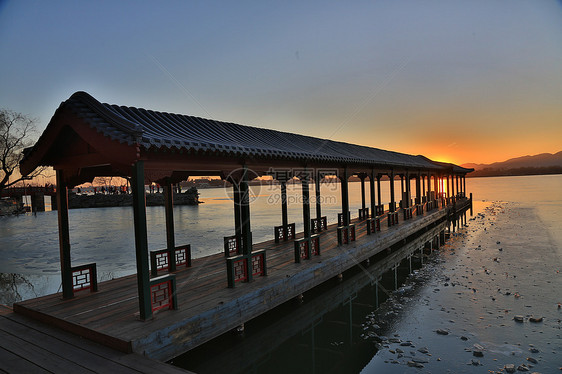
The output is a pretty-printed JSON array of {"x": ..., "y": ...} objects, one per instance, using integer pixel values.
[{"x": 322, "y": 335}]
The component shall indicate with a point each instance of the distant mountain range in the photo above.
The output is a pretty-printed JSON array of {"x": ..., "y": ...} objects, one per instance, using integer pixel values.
[{"x": 544, "y": 163}]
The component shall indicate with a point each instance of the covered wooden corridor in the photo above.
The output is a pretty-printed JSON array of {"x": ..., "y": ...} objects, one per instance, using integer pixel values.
[{"x": 175, "y": 302}]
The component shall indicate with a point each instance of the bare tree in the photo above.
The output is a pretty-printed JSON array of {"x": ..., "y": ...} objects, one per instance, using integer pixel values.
[{"x": 16, "y": 130}]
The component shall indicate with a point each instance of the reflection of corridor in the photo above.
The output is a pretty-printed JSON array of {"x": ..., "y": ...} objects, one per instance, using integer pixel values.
[{"x": 323, "y": 329}]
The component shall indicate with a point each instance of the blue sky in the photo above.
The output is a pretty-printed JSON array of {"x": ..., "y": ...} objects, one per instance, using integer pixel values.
[{"x": 460, "y": 81}]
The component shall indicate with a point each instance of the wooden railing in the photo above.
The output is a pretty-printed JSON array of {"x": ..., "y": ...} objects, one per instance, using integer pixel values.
[
  {"x": 160, "y": 259},
  {"x": 237, "y": 267},
  {"x": 379, "y": 210},
  {"x": 163, "y": 292},
  {"x": 84, "y": 277},
  {"x": 346, "y": 234},
  {"x": 432, "y": 204},
  {"x": 284, "y": 233},
  {"x": 233, "y": 245},
  {"x": 419, "y": 209},
  {"x": 363, "y": 213},
  {"x": 408, "y": 213},
  {"x": 392, "y": 218},
  {"x": 318, "y": 224},
  {"x": 373, "y": 225},
  {"x": 340, "y": 218},
  {"x": 306, "y": 247}
]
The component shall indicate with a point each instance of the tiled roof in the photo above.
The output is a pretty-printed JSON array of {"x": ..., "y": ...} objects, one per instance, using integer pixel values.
[{"x": 158, "y": 130}]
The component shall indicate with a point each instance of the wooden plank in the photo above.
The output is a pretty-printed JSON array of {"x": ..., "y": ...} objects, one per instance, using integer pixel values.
[
  {"x": 111, "y": 314},
  {"x": 12, "y": 363},
  {"x": 51, "y": 362},
  {"x": 55, "y": 346},
  {"x": 99, "y": 356}
]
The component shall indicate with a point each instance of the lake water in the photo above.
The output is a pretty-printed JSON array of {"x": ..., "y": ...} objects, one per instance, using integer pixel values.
[
  {"x": 29, "y": 248},
  {"x": 321, "y": 335}
]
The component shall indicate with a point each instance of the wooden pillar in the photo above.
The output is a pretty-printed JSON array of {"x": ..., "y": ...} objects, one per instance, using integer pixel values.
[
  {"x": 402, "y": 191},
  {"x": 408, "y": 188},
  {"x": 64, "y": 236},
  {"x": 305, "y": 204},
  {"x": 245, "y": 212},
  {"x": 237, "y": 210},
  {"x": 245, "y": 221},
  {"x": 392, "y": 203},
  {"x": 448, "y": 187},
  {"x": 372, "y": 193},
  {"x": 362, "y": 176},
  {"x": 170, "y": 234},
  {"x": 284, "y": 214},
  {"x": 141, "y": 240},
  {"x": 379, "y": 194},
  {"x": 37, "y": 202},
  {"x": 318, "y": 199},
  {"x": 428, "y": 186},
  {"x": 418, "y": 189},
  {"x": 423, "y": 185},
  {"x": 54, "y": 204},
  {"x": 436, "y": 185},
  {"x": 345, "y": 197},
  {"x": 457, "y": 183}
]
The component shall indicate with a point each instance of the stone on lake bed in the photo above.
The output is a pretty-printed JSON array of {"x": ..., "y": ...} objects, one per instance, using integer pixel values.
[
  {"x": 415, "y": 364},
  {"x": 532, "y": 360},
  {"x": 477, "y": 353},
  {"x": 522, "y": 368},
  {"x": 442, "y": 332},
  {"x": 509, "y": 368},
  {"x": 518, "y": 318},
  {"x": 536, "y": 319}
]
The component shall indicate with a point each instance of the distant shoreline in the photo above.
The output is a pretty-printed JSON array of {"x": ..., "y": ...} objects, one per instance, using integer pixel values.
[{"x": 509, "y": 173}]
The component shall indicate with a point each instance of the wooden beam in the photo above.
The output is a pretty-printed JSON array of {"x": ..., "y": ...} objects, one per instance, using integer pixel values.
[
  {"x": 141, "y": 240},
  {"x": 305, "y": 204},
  {"x": 170, "y": 234},
  {"x": 64, "y": 236},
  {"x": 345, "y": 197}
]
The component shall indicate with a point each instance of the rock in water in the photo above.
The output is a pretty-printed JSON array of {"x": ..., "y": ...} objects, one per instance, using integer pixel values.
[
  {"x": 415, "y": 364},
  {"x": 518, "y": 318},
  {"x": 509, "y": 368},
  {"x": 536, "y": 319},
  {"x": 442, "y": 332}
]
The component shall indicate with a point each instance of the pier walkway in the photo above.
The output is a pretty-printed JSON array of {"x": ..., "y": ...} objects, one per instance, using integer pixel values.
[
  {"x": 207, "y": 308},
  {"x": 27, "y": 346},
  {"x": 162, "y": 315}
]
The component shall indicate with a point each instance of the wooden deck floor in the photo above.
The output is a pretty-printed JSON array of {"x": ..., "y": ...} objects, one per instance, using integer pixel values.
[
  {"x": 27, "y": 346},
  {"x": 206, "y": 307}
]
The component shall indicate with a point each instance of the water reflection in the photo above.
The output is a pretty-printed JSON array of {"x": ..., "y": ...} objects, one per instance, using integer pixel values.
[{"x": 329, "y": 331}]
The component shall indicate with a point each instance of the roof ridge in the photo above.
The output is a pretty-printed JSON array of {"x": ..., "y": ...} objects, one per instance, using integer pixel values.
[{"x": 107, "y": 113}]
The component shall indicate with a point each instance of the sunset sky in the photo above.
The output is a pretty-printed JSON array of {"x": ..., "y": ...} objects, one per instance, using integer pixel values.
[{"x": 457, "y": 81}]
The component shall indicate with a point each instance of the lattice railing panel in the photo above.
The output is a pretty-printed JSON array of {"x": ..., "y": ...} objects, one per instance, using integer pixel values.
[
  {"x": 84, "y": 278},
  {"x": 163, "y": 292}
]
